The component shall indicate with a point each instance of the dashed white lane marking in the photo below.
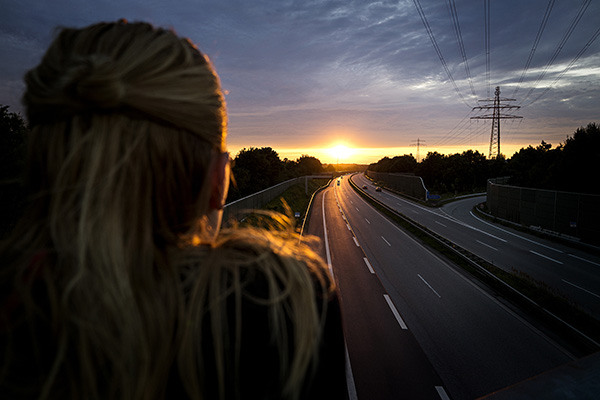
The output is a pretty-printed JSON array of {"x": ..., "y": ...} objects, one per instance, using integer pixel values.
[
  {"x": 583, "y": 259},
  {"x": 513, "y": 234},
  {"x": 442, "y": 393},
  {"x": 439, "y": 223},
  {"x": 487, "y": 245},
  {"x": 368, "y": 222},
  {"x": 368, "y": 265},
  {"x": 388, "y": 243},
  {"x": 355, "y": 241},
  {"x": 428, "y": 285},
  {"x": 546, "y": 257},
  {"x": 395, "y": 312},
  {"x": 579, "y": 287}
]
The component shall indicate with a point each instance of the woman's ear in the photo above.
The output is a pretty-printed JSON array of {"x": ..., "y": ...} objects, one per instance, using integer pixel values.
[{"x": 220, "y": 181}]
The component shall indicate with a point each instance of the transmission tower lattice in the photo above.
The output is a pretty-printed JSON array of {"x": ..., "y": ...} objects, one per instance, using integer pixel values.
[
  {"x": 497, "y": 114},
  {"x": 419, "y": 143}
]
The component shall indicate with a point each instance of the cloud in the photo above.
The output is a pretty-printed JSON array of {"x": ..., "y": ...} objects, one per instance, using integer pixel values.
[{"x": 296, "y": 69}]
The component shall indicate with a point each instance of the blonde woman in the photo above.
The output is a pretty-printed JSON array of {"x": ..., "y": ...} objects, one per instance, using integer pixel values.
[{"x": 117, "y": 283}]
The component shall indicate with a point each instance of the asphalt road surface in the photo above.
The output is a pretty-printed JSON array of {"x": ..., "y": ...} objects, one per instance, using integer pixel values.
[
  {"x": 415, "y": 326},
  {"x": 571, "y": 272}
]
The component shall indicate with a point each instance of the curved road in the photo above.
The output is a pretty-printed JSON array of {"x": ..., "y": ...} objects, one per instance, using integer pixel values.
[{"x": 572, "y": 273}]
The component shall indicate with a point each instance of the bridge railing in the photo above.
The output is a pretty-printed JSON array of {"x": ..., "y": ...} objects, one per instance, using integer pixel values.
[{"x": 239, "y": 208}]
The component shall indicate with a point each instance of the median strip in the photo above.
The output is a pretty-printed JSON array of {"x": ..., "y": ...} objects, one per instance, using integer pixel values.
[{"x": 577, "y": 329}]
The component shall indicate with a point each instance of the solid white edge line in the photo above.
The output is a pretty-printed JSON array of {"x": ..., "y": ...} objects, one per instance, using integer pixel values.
[
  {"x": 442, "y": 393},
  {"x": 355, "y": 241},
  {"x": 490, "y": 297},
  {"x": 325, "y": 239},
  {"x": 369, "y": 265},
  {"x": 395, "y": 312},
  {"x": 350, "y": 378}
]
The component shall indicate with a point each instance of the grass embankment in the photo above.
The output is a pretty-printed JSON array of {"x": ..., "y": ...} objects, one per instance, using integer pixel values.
[
  {"x": 552, "y": 311},
  {"x": 293, "y": 200}
]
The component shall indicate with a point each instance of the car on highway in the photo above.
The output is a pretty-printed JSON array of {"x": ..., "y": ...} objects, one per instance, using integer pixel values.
[
  {"x": 378, "y": 189},
  {"x": 364, "y": 187}
]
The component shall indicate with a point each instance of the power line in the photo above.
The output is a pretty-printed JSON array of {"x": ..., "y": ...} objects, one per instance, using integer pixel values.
[
  {"x": 450, "y": 135},
  {"x": 486, "y": 14},
  {"x": 535, "y": 43},
  {"x": 560, "y": 46},
  {"x": 437, "y": 48},
  {"x": 461, "y": 47},
  {"x": 575, "y": 59}
]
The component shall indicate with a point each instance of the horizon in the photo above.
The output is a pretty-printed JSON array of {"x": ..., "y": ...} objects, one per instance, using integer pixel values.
[
  {"x": 304, "y": 77},
  {"x": 366, "y": 156}
]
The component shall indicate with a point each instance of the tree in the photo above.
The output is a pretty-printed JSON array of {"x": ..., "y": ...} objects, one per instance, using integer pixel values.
[
  {"x": 254, "y": 169},
  {"x": 580, "y": 158},
  {"x": 13, "y": 137},
  {"x": 398, "y": 164},
  {"x": 568, "y": 167},
  {"x": 308, "y": 165},
  {"x": 433, "y": 170}
]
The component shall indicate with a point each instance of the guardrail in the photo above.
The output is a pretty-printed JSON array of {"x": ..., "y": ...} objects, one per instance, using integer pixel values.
[
  {"x": 308, "y": 209},
  {"x": 479, "y": 264}
]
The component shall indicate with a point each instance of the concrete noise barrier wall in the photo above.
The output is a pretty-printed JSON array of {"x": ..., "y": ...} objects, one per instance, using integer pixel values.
[
  {"x": 410, "y": 185},
  {"x": 565, "y": 213},
  {"x": 255, "y": 201}
]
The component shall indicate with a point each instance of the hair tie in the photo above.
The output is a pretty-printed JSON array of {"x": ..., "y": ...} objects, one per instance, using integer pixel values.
[{"x": 95, "y": 82}]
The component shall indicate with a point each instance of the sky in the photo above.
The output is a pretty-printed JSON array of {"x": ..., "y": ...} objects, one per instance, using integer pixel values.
[{"x": 362, "y": 77}]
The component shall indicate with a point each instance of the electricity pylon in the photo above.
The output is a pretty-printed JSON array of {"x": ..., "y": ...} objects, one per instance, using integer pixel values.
[
  {"x": 497, "y": 108},
  {"x": 418, "y": 144}
]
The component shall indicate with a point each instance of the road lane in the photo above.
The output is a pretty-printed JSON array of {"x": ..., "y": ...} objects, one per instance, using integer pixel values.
[
  {"x": 386, "y": 359},
  {"x": 476, "y": 344},
  {"x": 541, "y": 259}
]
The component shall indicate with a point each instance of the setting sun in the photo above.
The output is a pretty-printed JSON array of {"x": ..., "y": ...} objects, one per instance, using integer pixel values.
[{"x": 341, "y": 152}]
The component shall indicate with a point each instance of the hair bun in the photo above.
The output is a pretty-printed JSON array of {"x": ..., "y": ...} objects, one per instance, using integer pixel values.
[{"x": 96, "y": 82}]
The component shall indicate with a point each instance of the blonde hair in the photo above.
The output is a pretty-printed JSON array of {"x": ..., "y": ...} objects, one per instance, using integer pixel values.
[{"x": 126, "y": 121}]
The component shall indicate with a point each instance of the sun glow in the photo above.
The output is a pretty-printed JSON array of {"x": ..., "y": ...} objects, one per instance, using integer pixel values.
[{"x": 341, "y": 152}]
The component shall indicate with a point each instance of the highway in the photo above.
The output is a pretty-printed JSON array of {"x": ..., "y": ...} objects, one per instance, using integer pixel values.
[
  {"x": 570, "y": 272},
  {"x": 415, "y": 326}
]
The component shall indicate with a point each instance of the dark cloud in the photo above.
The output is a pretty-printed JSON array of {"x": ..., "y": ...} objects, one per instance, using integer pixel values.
[{"x": 296, "y": 68}]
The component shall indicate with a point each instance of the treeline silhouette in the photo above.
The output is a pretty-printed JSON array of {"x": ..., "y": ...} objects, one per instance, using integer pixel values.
[
  {"x": 254, "y": 169},
  {"x": 258, "y": 168},
  {"x": 571, "y": 166}
]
